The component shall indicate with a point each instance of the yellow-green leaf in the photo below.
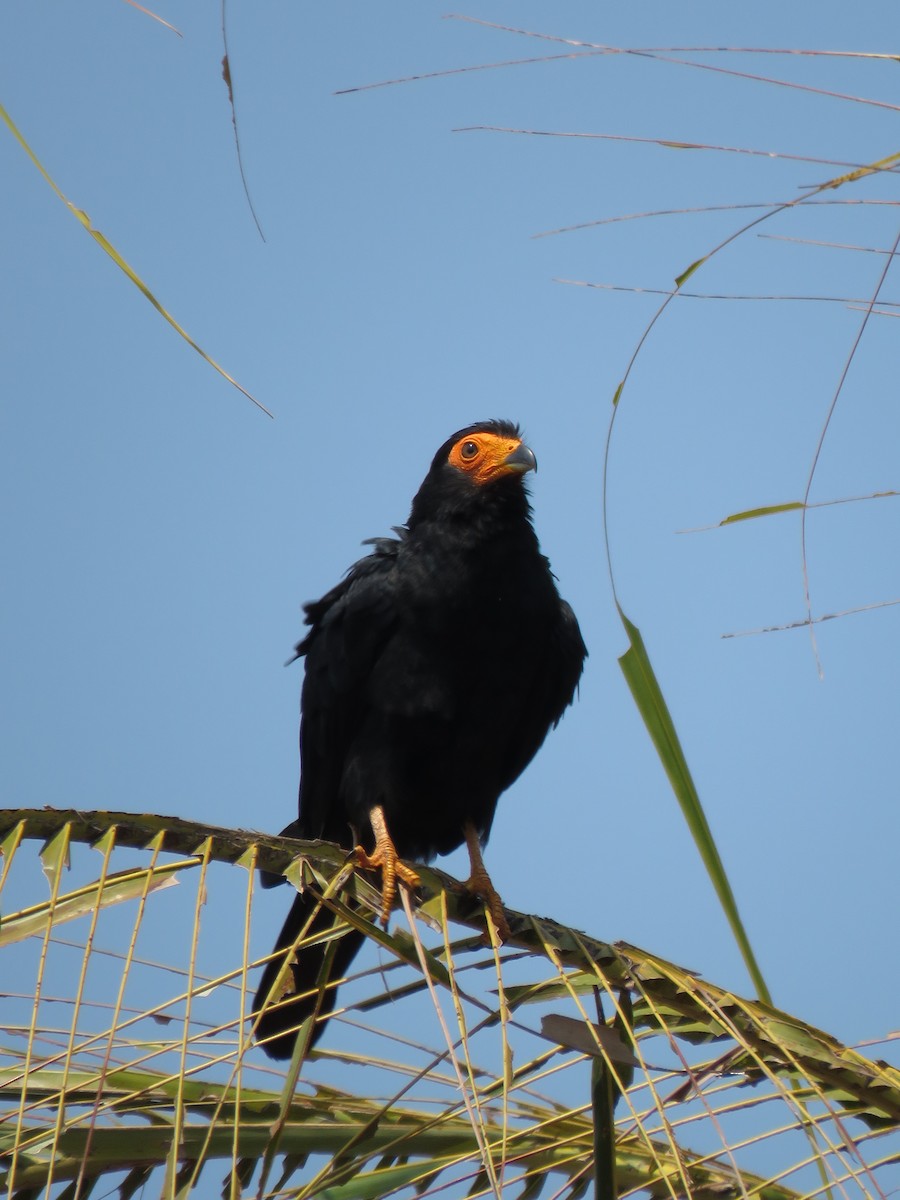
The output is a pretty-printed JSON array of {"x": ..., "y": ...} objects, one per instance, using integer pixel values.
[
  {"x": 120, "y": 262},
  {"x": 648, "y": 697},
  {"x": 767, "y": 510}
]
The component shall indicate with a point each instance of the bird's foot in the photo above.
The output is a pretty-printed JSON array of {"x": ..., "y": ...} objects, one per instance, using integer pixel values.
[
  {"x": 386, "y": 857},
  {"x": 479, "y": 883}
]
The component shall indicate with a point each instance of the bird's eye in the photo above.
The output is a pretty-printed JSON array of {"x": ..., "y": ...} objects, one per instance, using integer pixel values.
[{"x": 468, "y": 450}]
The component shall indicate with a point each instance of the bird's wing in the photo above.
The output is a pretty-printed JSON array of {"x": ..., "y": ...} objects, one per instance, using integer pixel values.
[
  {"x": 350, "y": 629},
  {"x": 558, "y": 665}
]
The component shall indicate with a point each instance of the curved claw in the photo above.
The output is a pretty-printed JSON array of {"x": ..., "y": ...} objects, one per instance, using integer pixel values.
[
  {"x": 479, "y": 884},
  {"x": 386, "y": 857}
]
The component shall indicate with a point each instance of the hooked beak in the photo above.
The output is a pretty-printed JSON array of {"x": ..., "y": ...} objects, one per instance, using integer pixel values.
[{"x": 521, "y": 460}]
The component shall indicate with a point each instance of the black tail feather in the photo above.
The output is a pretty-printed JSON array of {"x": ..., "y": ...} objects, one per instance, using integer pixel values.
[{"x": 280, "y": 1023}]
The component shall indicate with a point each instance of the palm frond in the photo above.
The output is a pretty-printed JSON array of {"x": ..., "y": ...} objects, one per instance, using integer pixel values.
[{"x": 126, "y": 1043}]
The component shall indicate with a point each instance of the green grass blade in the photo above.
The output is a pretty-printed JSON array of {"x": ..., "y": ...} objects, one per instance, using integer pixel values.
[
  {"x": 120, "y": 262},
  {"x": 767, "y": 510},
  {"x": 648, "y": 697}
]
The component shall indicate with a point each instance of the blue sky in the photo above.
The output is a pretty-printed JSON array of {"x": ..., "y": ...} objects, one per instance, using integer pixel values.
[{"x": 160, "y": 533}]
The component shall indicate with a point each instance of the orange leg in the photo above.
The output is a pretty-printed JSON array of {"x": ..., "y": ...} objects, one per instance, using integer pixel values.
[
  {"x": 385, "y": 856},
  {"x": 479, "y": 883}
]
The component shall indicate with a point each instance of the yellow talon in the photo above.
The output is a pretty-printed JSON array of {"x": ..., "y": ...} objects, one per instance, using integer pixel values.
[
  {"x": 479, "y": 884},
  {"x": 386, "y": 857}
]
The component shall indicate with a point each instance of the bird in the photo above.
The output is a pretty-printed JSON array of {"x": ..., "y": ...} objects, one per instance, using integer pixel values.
[{"x": 433, "y": 672}]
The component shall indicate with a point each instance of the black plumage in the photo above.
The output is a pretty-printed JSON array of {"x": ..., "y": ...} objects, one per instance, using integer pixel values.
[{"x": 434, "y": 671}]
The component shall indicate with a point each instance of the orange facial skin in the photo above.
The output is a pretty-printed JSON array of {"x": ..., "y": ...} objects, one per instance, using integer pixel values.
[{"x": 485, "y": 457}]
